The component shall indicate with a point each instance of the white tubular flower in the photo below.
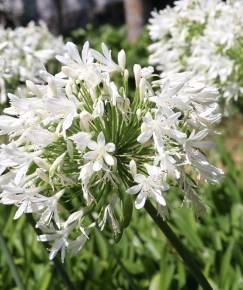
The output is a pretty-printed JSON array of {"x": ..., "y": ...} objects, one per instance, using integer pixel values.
[
  {"x": 61, "y": 242},
  {"x": 51, "y": 210},
  {"x": 204, "y": 37},
  {"x": 85, "y": 140},
  {"x": 23, "y": 52}
]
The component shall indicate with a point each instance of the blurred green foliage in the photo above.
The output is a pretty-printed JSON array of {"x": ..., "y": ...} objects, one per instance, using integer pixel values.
[{"x": 143, "y": 258}]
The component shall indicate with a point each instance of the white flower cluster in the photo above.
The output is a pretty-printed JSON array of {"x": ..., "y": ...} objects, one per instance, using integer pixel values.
[
  {"x": 203, "y": 36},
  {"x": 23, "y": 52},
  {"x": 82, "y": 143}
]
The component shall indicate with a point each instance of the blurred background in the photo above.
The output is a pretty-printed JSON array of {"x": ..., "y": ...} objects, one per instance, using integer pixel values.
[
  {"x": 143, "y": 259},
  {"x": 62, "y": 16}
]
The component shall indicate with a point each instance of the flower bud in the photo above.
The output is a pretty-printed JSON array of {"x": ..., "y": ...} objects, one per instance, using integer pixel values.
[
  {"x": 56, "y": 164},
  {"x": 133, "y": 167},
  {"x": 137, "y": 74},
  {"x": 42, "y": 163},
  {"x": 40, "y": 173},
  {"x": 142, "y": 89},
  {"x": 51, "y": 89},
  {"x": 122, "y": 59},
  {"x": 126, "y": 75},
  {"x": 85, "y": 118}
]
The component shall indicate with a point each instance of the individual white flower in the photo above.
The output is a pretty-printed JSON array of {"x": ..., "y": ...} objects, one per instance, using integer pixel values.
[
  {"x": 100, "y": 153},
  {"x": 167, "y": 163},
  {"x": 28, "y": 200},
  {"x": 207, "y": 171},
  {"x": 61, "y": 241},
  {"x": 16, "y": 159},
  {"x": 151, "y": 185},
  {"x": 63, "y": 108},
  {"x": 159, "y": 127},
  {"x": 105, "y": 60},
  {"x": 109, "y": 214},
  {"x": 51, "y": 209},
  {"x": 195, "y": 140},
  {"x": 133, "y": 167},
  {"x": 77, "y": 244},
  {"x": 80, "y": 68}
]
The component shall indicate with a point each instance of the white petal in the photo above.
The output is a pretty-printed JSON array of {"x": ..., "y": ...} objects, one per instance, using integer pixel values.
[
  {"x": 139, "y": 178},
  {"x": 92, "y": 145},
  {"x": 144, "y": 137},
  {"x": 20, "y": 174},
  {"x": 152, "y": 170},
  {"x": 97, "y": 165},
  {"x": 85, "y": 51},
  {"x": 178, "y": 135},
  {"x": 140, "y": 200},
  {"x": 73, "y": 52},
  {"x": 56, "y": 247},
  {"x": 91, "y": 155},
  {"x": 109, "y": 159},
  {"x": 101, "y": 138},
  {"x": 110, "y": 147},
  {"x": 46, "y": 237},
  {"x": 21, "y": 210},
  {"x": 159, "y": 198},
  {"x": 67, "y": 121},
  {"x": 134, "y": 189}
]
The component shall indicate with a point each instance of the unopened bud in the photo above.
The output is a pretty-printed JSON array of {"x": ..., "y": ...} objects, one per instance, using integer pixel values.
[
  {"x": 137, "y": 74},
  {"x": 56, "y": 164},
  {"x": 122, "y": 59},
  {"x": 133, "y": 167}
]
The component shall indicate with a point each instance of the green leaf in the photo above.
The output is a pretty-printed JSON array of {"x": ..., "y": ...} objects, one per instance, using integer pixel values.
[
  {"x": 127, "y": 206},
  {"x": 155, "y": 283}
]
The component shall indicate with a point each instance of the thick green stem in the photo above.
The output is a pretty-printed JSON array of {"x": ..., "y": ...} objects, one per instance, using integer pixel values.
[
  {"x": 11, "y": 264},
  {"x": 180, "y": 248}
]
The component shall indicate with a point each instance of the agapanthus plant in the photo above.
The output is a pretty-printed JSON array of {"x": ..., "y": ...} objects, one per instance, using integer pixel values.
[
  {"x": 205, "y": 37},
  {"x": 83, "y": 144},
  {"x": 23, "y": 52}
]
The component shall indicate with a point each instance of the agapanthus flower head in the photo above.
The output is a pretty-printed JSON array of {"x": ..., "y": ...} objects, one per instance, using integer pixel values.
[
  {"x": 84, "y": 143},
  {"x": 23, "y": 53},
  {"x": 205, "y": 37}
]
